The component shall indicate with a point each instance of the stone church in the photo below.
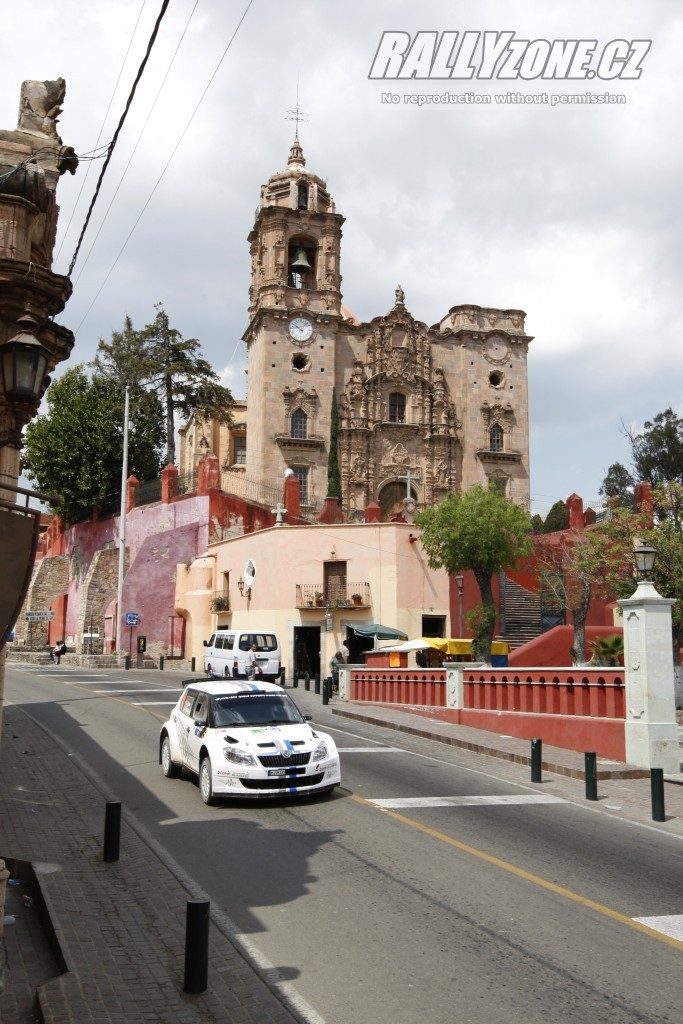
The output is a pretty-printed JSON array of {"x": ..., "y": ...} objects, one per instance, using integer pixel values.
[{"x": 422, "y": 410}]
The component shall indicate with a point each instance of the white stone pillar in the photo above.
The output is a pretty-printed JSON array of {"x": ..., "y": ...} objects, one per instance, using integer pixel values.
[
  {"x": 651, "y": 728},
  {"x": 454, "y": 684}
]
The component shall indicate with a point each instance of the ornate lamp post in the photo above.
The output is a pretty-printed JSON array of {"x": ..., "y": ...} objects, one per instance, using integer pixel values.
[{"x": 23, "y": 363}]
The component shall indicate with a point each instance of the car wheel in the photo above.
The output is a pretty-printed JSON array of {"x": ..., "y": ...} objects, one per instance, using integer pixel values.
[
  {"x": 205, "y": 784},
  {"x": 170, "y": 770},
  {"x": 208, "y": 672},
  {"x": 227, "y": 672}
]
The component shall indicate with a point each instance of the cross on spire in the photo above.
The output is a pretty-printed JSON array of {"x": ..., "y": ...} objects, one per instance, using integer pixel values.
[{"x": 297, "y": 114}]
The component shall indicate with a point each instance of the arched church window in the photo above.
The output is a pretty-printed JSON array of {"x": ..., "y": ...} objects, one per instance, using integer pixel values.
[
  {"x": 496, "y": 438},
  {"x": 302, "y": 197},
  {"x": 299, "y": 424},
  {"x": 397, "y": 407}
]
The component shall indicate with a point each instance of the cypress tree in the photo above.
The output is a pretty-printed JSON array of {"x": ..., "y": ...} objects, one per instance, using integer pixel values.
[{"x": 333, "y": 475}]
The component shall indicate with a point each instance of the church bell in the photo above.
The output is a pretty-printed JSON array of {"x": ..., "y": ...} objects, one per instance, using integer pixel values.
[{"x": 300, "y": 264}]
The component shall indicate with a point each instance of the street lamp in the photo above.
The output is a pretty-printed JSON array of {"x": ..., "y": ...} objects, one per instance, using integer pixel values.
[
  {"x": 240, "y": 586},
  {"x": 23, "y": 364},
  {"x": 645, "y": 561},
  {"x": 460, "y": 580}
]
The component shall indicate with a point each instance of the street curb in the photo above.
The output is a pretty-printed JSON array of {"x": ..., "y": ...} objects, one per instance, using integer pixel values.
[{"x": 504, "y": 755}]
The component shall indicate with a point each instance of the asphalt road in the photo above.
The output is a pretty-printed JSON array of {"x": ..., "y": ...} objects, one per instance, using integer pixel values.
[{"x": 422, "y": 891}]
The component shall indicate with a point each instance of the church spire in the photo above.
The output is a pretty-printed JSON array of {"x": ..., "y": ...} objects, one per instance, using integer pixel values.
[{"x": 296, "y": 154}]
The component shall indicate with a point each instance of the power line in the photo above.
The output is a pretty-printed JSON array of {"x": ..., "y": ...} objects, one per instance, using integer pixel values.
[
  {"x": 166, "y": 166},
  {"x": 99, "y": 134},
  {"x": 164, "y": 7},
  {"x": 139, "y": 139}
]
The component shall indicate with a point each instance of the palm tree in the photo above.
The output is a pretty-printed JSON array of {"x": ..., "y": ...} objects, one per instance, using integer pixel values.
[{"x": 607, "y": 650}]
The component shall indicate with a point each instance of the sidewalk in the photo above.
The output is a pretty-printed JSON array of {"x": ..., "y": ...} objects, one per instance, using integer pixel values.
[
  {"x": 117, "y": 955},
  {"x": 119, "y": 928}
]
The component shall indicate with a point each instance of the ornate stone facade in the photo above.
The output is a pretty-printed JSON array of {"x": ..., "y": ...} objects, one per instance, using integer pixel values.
[{"x": 423, "y": 410}]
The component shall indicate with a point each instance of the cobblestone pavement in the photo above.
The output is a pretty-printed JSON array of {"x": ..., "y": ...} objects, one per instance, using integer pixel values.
[{"x": 116, "y": 955}]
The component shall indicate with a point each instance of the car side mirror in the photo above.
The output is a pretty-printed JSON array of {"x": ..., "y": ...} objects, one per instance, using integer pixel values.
[
  {"x": 206, "y": 643},
  {"x": 308, "y": 718}
]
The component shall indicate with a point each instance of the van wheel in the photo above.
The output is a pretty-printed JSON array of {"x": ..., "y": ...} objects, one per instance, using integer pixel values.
[
  {"x": 205, "y": 787},
  {"x": 227, "y": 672},
  {"x": 209, "y": 673}
]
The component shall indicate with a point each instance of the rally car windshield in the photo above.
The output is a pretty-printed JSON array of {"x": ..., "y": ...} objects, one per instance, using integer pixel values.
[{"x": 255, "y": 709}]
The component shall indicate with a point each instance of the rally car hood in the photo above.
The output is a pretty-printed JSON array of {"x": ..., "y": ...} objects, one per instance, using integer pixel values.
[{"x": 271, "y": 739}]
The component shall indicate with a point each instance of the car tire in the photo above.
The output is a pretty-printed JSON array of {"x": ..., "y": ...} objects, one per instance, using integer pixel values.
[
  {"x": 227, "y": 672},
  {"x": 208, "y": 672},
  {"x": 205, "y": 784},
  {"x": 168, "y": 766}
]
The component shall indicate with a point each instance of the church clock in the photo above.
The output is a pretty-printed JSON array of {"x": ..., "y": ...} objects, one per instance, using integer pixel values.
[{"x": 300, "y": 329}]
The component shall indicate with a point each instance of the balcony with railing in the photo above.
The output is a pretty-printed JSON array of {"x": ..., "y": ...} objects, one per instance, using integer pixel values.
[
  {"x": 220, "y": 602},
  {"x": 333, "y": 595}
]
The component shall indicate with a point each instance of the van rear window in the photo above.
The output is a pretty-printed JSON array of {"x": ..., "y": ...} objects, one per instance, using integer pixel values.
[{"x": 263, "y": 641}]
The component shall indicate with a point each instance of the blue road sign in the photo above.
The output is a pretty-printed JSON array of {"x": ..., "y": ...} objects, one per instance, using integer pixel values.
[{"x": 132, "y": 618}]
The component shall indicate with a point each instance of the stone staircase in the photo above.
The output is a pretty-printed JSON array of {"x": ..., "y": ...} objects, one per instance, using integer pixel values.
[{"x": 522, "y": 615}]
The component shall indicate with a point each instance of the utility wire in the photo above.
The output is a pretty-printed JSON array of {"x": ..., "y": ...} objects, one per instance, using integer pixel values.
[
  {"x": 166, "y": 166},
  {"x": 139, "y": 139},
  {"x": 164, "y": 7},
  {"x": 99, "y": 135}
]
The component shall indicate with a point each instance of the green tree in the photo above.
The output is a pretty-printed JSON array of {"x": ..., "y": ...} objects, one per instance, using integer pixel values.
[
  {"x": 333, "y": 475},
  {"x": 593, "y": 563},
  {"x": 557, "y": 518},
  {"x": 76, "y": 448},
  {"x": 618, "y": 484},
  {"x": 169, "y": 365},
  {"x": 657, "y": 450},
  {"x": 478, "y": 530}
]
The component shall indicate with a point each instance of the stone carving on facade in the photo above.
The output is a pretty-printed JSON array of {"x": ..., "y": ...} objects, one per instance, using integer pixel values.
[
  {"x": 400, "y": 296},
  {"x": 498, "y": 413},
  {"x": 302, "y": 398}
]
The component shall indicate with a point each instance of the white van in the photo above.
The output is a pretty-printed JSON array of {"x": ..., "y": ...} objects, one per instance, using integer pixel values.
[{"x": 227, "y": 648}]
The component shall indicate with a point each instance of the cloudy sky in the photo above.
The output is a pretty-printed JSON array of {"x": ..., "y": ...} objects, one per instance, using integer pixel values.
[{"x": 568, "y": 211}]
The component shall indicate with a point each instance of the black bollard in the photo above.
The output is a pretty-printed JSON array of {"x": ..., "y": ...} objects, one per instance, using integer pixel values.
[
  {"x": 591, "y": 773},
  {"x": 327, "y": 686},
  {"x": 316, "y": 688},
  {"x": 196, "y": 946},
  {"x": 295, "y": 680},
  {"x": 194, "y": 663},
  {"x": 282, "y": 678},
  {"x": 161, "y": 663},
  {"x": 536, "y": 760},
  {"x": 112, "y": 831},
  {"x": 127, "y": 662},
  {"x": 657, "y": 790},
  {"x": 307, "y": 680}
]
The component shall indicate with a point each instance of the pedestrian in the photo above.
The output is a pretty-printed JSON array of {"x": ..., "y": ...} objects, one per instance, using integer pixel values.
[
  {"x": 344, "y": 651},
  {"x": 250, "y": 664},
  {"x": 336, "y": 660},
  {"x": 57, "y": 651}
]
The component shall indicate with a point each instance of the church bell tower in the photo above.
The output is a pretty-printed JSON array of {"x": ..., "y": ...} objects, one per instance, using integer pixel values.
[{"x": 294, "y": 315}]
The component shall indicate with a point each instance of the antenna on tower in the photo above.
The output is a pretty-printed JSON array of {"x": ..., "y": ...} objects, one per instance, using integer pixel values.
[{"x": 297, "y": 114}]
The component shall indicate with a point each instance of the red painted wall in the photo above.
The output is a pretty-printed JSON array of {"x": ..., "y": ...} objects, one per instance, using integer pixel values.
[{"x": 552, "y": 648}]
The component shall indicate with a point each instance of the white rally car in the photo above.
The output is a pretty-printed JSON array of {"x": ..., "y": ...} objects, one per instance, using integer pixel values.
[{"x": 246, "y": 739}]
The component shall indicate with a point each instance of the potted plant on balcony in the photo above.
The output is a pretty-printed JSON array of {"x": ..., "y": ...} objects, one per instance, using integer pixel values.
[
  {"x": 220, "y": 603},
  {"x": 318, "y": 597},
  {"x": 357, "y": 598}
]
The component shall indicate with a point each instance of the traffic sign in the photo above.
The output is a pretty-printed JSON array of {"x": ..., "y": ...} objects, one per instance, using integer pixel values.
[
  {"x": 40, "y": 616},
  {"x": 132, "y": 618}
]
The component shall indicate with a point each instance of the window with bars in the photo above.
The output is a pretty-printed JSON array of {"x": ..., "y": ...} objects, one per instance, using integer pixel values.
[
  {"x": 299, "y": 424},
  {"x": 496, "y": 438},
  {"x": 239, "y": 450}
]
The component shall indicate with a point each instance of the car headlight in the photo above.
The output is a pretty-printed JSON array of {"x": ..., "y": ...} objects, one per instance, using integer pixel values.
[
  {"x": 320, "y": 751},
  {"x": 237, "y": 756}
]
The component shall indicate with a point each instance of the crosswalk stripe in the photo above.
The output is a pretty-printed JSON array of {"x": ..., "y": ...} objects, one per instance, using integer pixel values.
[
  {"x": 671, "y": 924},
  {"x": 465, "y": 801},
  {"x": 154, "y": 703}
]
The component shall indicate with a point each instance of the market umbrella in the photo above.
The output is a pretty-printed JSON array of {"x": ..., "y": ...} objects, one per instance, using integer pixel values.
[{"x": 378, "y": 631}]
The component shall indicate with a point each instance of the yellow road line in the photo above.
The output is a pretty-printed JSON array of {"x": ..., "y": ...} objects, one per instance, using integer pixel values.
[{"x": 512, "y": 869}]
